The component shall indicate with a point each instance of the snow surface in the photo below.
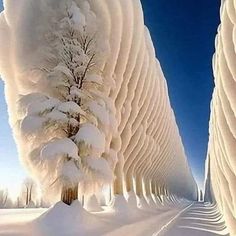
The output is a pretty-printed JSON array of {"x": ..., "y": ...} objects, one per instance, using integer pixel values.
[
  {"x": 94, "y": 78},
  {"x": 60, "y": 148},
  {"x": 185, "y": 218},
  {"x": 71, "y": 108},
  {"x": 70, "y": 172},
  {"x": 221, "y": 156},
  {"x": 92, "y": 137},
  {"x": 77, "y": 16},
  {"x": 101, "y": 166},
  {"x": 100, "y": 112}
]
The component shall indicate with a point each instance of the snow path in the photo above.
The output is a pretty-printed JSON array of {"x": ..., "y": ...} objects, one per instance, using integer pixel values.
[
  {"x": 192, "y": 219},
  {"x": 197, "y": 219},
  {"x": 164, "y": 227},
  {"x": 201, "y": 219},
  {"x": 152, "y": 226}
]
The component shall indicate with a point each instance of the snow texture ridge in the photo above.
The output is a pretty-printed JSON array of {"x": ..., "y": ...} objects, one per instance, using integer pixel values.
[{"x": 221, "y": 161}]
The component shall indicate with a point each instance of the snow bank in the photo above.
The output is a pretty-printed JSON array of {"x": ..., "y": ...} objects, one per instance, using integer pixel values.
[
  {"x": 220, "y": 165},
  {"x": 92, "y": 204},
  {"x": 63, "y": 220}
]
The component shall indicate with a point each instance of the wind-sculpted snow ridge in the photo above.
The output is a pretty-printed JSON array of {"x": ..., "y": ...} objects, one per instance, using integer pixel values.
[
  {"x": 221, "y": 161},
  {"x": 142, "y": 146}
]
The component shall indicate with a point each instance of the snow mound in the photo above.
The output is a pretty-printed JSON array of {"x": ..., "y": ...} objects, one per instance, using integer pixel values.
[
  {"x": 119, "y": 204},
  {"x": 64, "y": 220},
  {"x": 92, "y": 204},
  {"x": 132, "y": 200}
]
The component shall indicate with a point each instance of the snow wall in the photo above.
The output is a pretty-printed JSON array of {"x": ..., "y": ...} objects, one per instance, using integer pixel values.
[
  {"x": 221, "y": 161},
  {"x": 146, "y": 146}
]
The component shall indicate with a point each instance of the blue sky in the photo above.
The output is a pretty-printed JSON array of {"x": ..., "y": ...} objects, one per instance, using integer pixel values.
[
  {"x": 11, "y": 170},
  {"x": 183, "y": 32}
]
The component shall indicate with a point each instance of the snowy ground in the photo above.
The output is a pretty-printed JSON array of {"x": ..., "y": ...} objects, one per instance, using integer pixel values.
[{"x": 190, "y": 219}]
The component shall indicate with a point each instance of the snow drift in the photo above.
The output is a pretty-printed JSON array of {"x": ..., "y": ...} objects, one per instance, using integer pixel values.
[
  {"x": 221, "y": 162},
  {"x": 140, "y": 142}
]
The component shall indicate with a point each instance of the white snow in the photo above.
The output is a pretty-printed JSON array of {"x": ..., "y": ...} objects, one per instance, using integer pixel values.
[
  {"x": 92, "y": 136},
  {"x": 59, "y": 148},
  {"x": 63, "y": 69},
  {"x": 74, "y": 91},
  {"x": 70, "y": 108},
  {"x": 25, "y": 101},
  {"x": 100, "y": 112},
  {"x": 185, "y": 218},
  {"x": 92, "y": 204},
  {"x": 39, "y": 107},
  {"x": 100, "y": 166},
  {"x": 31, "y": 52},
  {"x": 70, "y": 173},
  {"x": 77, "y": 16},
  {"x": 32, "y": 124},
  {"x": 220, "y": 168},
  {"x": 57, "y": 116},
  {"x": 94, "y": 78}
]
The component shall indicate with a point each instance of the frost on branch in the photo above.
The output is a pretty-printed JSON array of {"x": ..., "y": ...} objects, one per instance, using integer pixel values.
[{"x": 68, "y": 121}]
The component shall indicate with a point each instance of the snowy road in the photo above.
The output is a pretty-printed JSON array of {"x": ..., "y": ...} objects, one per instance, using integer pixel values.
[
  {"x": 196, "y": 219},
  {"x": 152, "y": 226}
]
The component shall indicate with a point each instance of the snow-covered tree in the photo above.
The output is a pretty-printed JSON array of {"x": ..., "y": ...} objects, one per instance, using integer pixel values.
[
  {"x": 29, "y": 192},
  {"x": 71, "y": 118},
  {"x": 3, "y": 198}
]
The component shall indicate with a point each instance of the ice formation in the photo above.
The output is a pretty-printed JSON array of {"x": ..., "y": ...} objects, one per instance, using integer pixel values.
[
  {"x": 221, "y": 161},
  {"x": 142, "y": 142}
]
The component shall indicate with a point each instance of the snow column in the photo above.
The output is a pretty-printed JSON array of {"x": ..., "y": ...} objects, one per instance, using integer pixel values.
[
  {"x": 221, "y": 162},
  {"x": 148, "y": 146}
]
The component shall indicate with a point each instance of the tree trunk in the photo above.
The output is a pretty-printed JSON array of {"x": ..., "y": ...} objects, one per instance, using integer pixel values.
[
  {"x": 27, "y": 197},
  {"x": 30, "y": 194},
  {"x": 68, "y": 195}
]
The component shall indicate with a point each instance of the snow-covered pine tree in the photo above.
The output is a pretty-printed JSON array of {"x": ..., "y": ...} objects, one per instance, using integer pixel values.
[{"x": 74, "y": 112}]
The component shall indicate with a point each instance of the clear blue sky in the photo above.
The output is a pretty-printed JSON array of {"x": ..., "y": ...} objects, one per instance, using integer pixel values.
[
  {"x": 11, "y": 171},
  {"x": 183, "y": 32}
]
